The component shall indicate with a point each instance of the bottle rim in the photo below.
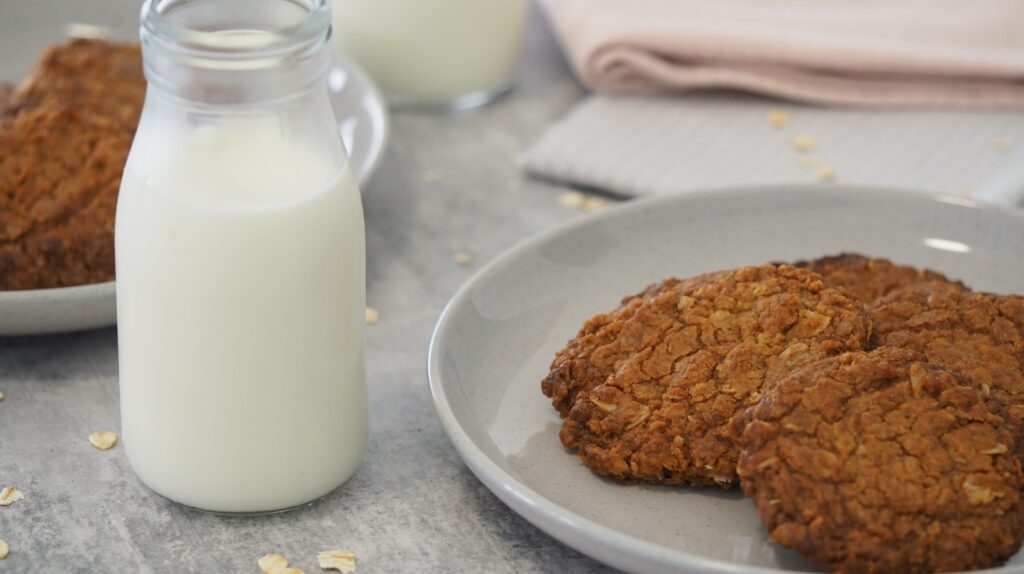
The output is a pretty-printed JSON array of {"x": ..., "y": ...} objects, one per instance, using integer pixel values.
[{"x": 295, "y": 40}]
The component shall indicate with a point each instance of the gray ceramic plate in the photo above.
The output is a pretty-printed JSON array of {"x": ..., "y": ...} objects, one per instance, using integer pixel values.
[
  {"x": 27, "y": 28},
  {"x": 495, "y": 340}
]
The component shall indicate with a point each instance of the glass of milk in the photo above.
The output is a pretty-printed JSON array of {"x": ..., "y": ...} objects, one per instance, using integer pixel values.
[
  {"x": 240, "y": 262},
  {"x": 439, "y": 54}
]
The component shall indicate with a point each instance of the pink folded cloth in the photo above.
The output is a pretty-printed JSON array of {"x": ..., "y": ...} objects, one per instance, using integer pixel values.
[{"x": 859, "y": 52}]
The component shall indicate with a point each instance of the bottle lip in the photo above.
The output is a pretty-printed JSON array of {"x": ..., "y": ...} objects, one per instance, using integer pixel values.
[{"x": 306, "y": 35}]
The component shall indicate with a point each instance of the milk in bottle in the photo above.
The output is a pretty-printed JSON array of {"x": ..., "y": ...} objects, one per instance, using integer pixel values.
[{"x": 240, "y": 263}]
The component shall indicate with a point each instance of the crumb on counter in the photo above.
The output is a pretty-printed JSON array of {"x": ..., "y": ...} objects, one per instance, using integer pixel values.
[
  {"x": 272, "y": 562},
  {"x": 276, "y": 564},
  {"x": 803, "y": 143},
  {"x": 593, "y": 204},
  {"x": 463, "y": 258},
  {"x": 4, "y": 549},
  {"x": 571, "y": 199},
  {"x": 1002, "y": 144},
  {"x": 372, "y": 316},
  {"x": 778, "y": 117},
  {"x": 337, "y": 560},
  {"x": 826, "y": 174},
  {"x": 103, "y": 440},
  {"x": 9, "y": 495}
]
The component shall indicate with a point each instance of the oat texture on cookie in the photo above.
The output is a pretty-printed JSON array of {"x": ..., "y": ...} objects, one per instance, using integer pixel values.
[
  {"x": 868, "y": 278},
  {"x": 879, "y": 462},
  {"x": 604, "y": 341},
  {"x": 980, "y": 335},
  {"x": 693, "y": 356}
]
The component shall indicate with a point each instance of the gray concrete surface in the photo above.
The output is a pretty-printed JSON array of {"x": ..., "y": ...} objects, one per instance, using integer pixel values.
[{"x": 413, "y": 506}]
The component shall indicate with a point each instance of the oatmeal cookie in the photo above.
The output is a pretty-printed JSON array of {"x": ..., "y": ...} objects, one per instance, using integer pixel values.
[
  {"x": 663, "y": 415},
  {"x": 869, "y": 278},
  {"x": 979, "y": 335},
  {"x": 101, "y": 77},
  {"x": 60, "y": 170},
  {"x": 879, "y": 462},
  {"x": 604, "y": 342}
]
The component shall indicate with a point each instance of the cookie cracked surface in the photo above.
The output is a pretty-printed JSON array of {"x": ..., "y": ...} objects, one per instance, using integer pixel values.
[
  {"x": 103, "y": 78},
  {"x": 605, "y": 341},
  {"x": 879, "y": 462},
  {"x": 662, "y": 416},
  {"x": 65, "y": 133},
  {"x": 979, "y": 335},
  {"x": 868, "y": 278},
  {"x": 58, "y": 195}
]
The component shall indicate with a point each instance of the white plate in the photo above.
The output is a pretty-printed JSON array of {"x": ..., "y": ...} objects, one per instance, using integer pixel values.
[
  {"x": 28, "y": 27},
  {"x": 496, "y": 338}
]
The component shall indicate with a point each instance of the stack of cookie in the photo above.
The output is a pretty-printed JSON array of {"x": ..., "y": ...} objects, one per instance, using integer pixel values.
[
  {"x": 869, "y": 409},
  {"x": 65, "y": 133}
]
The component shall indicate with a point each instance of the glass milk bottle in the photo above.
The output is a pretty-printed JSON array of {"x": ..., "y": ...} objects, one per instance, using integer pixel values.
[
  {"x": 441, "y": 54},
  {"x": 240, "y": 262}
]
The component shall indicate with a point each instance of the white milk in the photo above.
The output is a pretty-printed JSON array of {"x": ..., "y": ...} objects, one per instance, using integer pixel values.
[
  {"x": 240, "y": 302},
  {"x": 432, "y": 51}
]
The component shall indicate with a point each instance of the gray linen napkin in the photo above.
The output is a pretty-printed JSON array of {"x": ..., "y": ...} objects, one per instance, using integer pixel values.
[{"x": 637, "y": 146}]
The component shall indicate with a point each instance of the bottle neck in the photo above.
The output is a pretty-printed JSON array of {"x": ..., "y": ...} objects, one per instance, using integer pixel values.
[{"x": 235, "y": 53}]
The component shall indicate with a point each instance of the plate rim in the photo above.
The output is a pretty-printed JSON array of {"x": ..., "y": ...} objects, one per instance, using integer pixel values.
[
  {"x": 604, "y": 543},
  {"x": 51, "y": 293}
]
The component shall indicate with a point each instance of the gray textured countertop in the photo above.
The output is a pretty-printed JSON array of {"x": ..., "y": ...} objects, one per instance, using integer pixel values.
[{"x": 413, "y": 506}]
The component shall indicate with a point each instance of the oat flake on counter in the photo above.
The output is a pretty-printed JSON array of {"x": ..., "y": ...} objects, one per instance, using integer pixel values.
[
  {"x": 103, "y": 440},
  {"x": 9, "y": 495},
  {"x": 337, "y": 560}
]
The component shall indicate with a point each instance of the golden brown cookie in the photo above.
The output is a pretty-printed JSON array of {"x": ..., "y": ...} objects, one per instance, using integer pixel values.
[
  {"x": 60, "y": 170},
  {"x": 879, "y": 462},
  {"x": 979, "y": 335},
  {"x": 604, "y": 341},
  {"x": 663, "y": 415},
  {"x": 64, "y": 139},
  {"x": 103, "y": 78},
  {"x": 868, "y": 278}
]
